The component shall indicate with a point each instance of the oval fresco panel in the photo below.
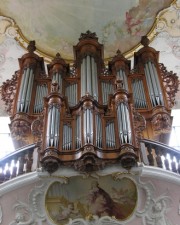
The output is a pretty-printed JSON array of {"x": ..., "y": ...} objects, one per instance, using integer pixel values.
[{"x": 84, "y": 198}]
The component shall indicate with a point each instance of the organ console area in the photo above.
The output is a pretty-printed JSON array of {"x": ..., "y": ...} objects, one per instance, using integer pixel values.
[{"x": 90, "y": 112}]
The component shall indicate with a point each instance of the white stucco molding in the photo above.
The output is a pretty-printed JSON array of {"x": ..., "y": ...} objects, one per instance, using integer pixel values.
[{"x": 158, "y": 173}]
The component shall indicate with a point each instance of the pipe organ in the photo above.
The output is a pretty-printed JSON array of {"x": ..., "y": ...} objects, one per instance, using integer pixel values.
[{"x": 92, "y": 113}]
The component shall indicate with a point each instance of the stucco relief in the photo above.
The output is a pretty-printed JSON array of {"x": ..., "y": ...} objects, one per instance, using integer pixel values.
[
  {"x": 156, "y": 214},
  {"x": 10, "y": 49}
]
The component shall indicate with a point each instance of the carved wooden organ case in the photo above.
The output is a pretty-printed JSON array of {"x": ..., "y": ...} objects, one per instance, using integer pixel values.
[{"x": 89, "y": 114}]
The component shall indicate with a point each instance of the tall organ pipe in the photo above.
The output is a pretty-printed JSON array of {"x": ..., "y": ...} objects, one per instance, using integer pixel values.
[
  {"x": 153, "y": 84},
  {"x": 89, "y": 79},
  {"x": 122, "y": 76},
  {"x": 52, "y": 134},
  {"x": 98, "y": 131},
  {"x": 41, "y": 91},
  {"x": 107, "y": 88},
  {"x": 139, "y": 94},
  {"x": 67, "y": 137},
  {"x": 124, "y": 124},
  {"x": 78, "y": 131},
  {"x": 110, "y": 135},
  {"x": 25, "y": 92},
  {"x": 71, "y": 93},
  {"x": 88, "y": 126},
  {"x": 58, "y": 77}
]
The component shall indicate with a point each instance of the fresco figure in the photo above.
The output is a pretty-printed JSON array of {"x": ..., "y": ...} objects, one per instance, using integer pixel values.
[
  {"x": 101, "y": 204},
  {"x": 67, "y": 212}
]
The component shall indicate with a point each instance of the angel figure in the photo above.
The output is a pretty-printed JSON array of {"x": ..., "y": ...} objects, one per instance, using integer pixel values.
[{"x": 157, "y": 212}]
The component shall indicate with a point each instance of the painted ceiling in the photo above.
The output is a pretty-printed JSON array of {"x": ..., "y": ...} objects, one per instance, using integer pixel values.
[{"x": 56, "y": 26}]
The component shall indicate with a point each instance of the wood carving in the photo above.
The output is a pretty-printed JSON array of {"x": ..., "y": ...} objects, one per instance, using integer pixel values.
[
  {"x": 171, "y": 84},
  {"x": 8, "y": 92}
]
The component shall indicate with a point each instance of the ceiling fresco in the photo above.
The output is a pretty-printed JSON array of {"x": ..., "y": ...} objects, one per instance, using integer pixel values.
[{"x": 56, "y": 26}]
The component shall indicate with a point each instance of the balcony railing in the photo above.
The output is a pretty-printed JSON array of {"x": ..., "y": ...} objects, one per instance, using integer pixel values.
[
  {"x": 158, "y": 154},
  {"x": 25, "y": 160}
]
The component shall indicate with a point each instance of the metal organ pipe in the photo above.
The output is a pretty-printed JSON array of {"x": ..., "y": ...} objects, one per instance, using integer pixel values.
[
  {"x": 89, "y": 81},
  {"x": 110, "y": 135},
  {"x": 107, "y": 89},
  {"x": 98, "y": 131},
  {"x": 139, "y": 94},
  {"x": 88, "y": 126},
  {"x": 52, "y": 133},
  {"x": 25, "y": 92},
  {"x": 41, "y": 92},
  {"x": 71, "y": 93},
  {"x": 122, "y": 76},
  {"x": 78, "y": 132},
  {"x": 58, "y": 77},
  {"x": 153, "y": 84},
  {"x": 67, "y": 137},
  {"x": 124, "y": 124}
]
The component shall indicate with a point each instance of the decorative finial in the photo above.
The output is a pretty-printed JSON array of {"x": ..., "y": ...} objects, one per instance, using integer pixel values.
[
  {"x": 145, "y": 41},
  {"x": 31, "y": 47},
  {"x": 58, "y": 55},
  {"x": 88, "y": 35},
  {"x": 118, "y": 52}
]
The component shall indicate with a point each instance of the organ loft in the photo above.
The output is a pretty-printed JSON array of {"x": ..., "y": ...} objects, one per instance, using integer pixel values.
[{"x": 90, "y": 113}]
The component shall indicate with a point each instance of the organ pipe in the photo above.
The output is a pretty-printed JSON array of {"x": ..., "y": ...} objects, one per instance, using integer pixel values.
[
  {"x": 57, "y": 76},
  {"x": 122, "y": 76},
  {"x": 89, "y": 79},
  {"x": 25, "y": 91},
  {"x": 110, "y": 135},
  {"x": 88, "y": 126},
  {"x": 107, "y": 89},
  {"x": 41, "y": 92},
  {"x": 71, "y": 93},
  {"x": 98, "y": 131},
  {"x": 153, "y": 84},
  {"x": 53, "y": 123},
  {"x": 78, "y": 131},
  {"x": 124, "y": 124},
  {"x": 139, "y": 94},
  {"x": 67, "y": 137}
]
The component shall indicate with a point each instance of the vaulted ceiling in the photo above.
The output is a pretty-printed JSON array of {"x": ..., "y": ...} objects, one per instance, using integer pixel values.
[{"x": 57, "y": 24}]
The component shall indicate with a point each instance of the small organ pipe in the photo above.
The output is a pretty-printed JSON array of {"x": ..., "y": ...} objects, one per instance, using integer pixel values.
[
  {"x": 158, "y": 84},
  {"x": 48, "y": 127},
  {"x": 29, "y": 90},
  {"x": 110, "y": 137},
  {"x": 124, "y": 123},
  {"x": 88, "y": 75},
  {"x": 21, "y": 90},
  {"x": 149, "y": 85},
  {"x": 154, "y": 84},
  {"x": 25, "y": 86},
  {"x": 125, "y": 80},
  {"x": 78, "y": 131},
  {"x": 128, "y": 124}
]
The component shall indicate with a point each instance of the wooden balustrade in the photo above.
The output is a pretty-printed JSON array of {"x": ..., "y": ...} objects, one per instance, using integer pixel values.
[
  {"x": 158, "y": 154},
  {"x": 152, "y": 154},
  {"x": 18, "y": 162}
]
